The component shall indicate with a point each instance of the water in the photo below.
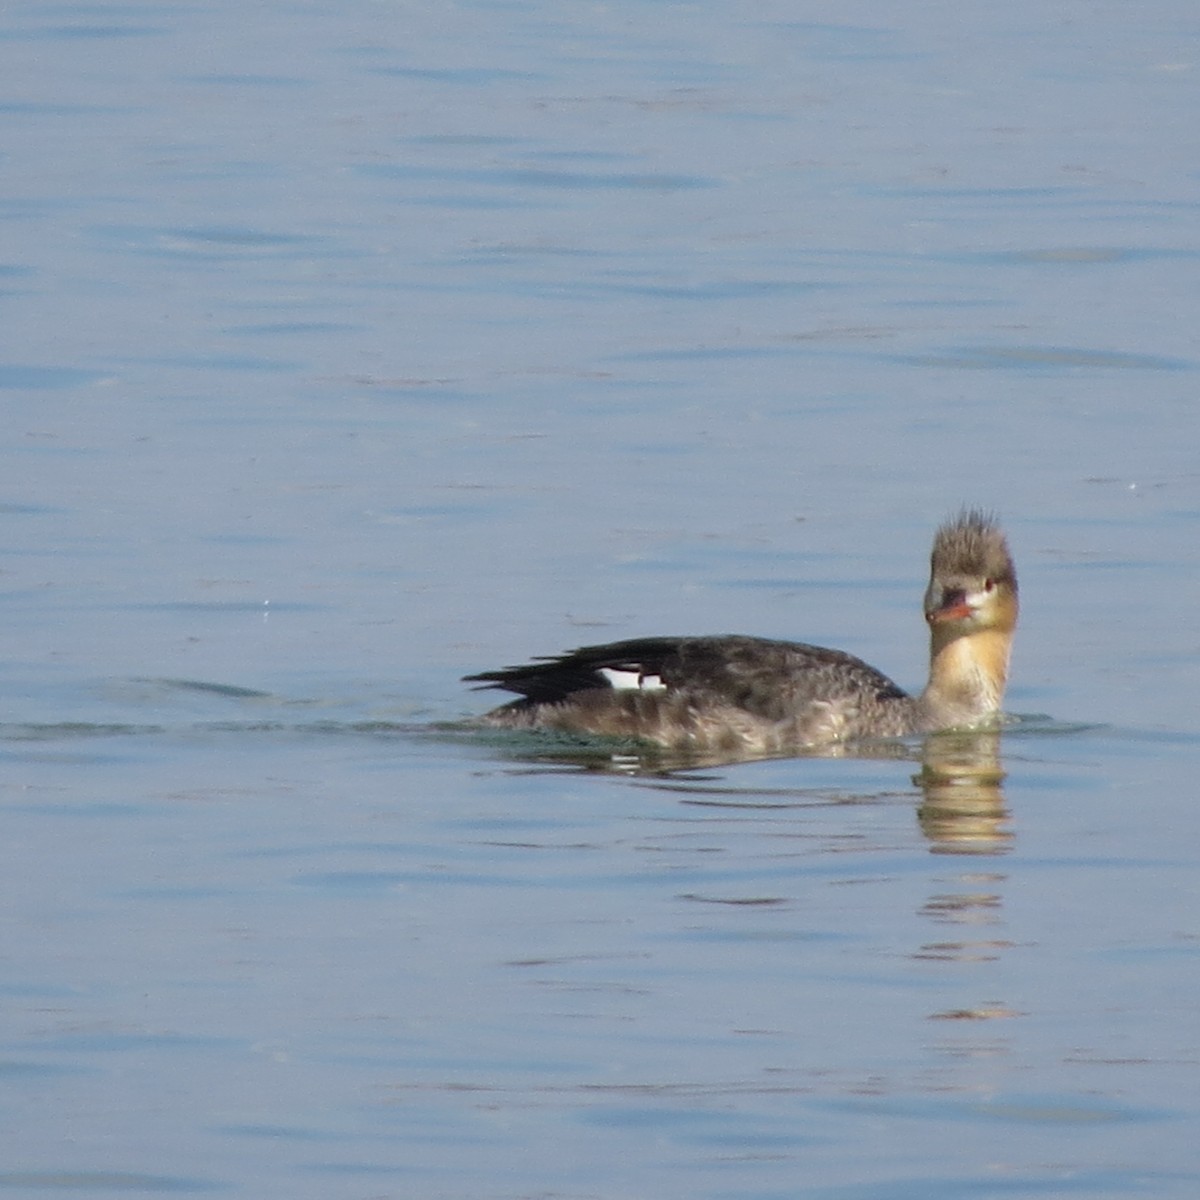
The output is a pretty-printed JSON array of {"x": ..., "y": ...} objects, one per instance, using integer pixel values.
[{"x": 349, "y": 349}]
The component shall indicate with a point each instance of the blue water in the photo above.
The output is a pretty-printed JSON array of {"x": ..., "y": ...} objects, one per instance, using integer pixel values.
[{"x": 351, "y": 348}]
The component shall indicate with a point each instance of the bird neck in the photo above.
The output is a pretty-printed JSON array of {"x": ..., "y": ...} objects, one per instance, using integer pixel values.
[{"x": 967, "y": 674}]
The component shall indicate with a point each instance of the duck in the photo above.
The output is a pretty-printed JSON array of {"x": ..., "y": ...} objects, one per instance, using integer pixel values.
[{"x": 758, "y": 696}]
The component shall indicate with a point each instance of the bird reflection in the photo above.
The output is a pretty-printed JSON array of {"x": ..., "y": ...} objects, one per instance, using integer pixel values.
[{"x": 962, "y": 810}]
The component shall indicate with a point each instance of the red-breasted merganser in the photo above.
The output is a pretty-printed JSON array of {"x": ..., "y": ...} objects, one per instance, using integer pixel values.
[{"x": 760, "y": 696}]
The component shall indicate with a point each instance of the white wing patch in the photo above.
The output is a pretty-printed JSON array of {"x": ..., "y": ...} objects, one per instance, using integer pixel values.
[{"x": 632, "y": 679}]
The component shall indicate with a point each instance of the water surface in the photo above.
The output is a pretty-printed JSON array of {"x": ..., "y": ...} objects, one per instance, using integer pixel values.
[{"x": 350, "y": 349}]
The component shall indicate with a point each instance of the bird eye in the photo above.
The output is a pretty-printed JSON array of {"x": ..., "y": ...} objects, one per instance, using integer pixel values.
[{"x": 989, "y": 585}]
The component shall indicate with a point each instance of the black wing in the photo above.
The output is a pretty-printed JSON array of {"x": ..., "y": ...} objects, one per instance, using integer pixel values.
[
  {"x": 763, "y": 676},
  {"x": 554, "y": 678}
]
